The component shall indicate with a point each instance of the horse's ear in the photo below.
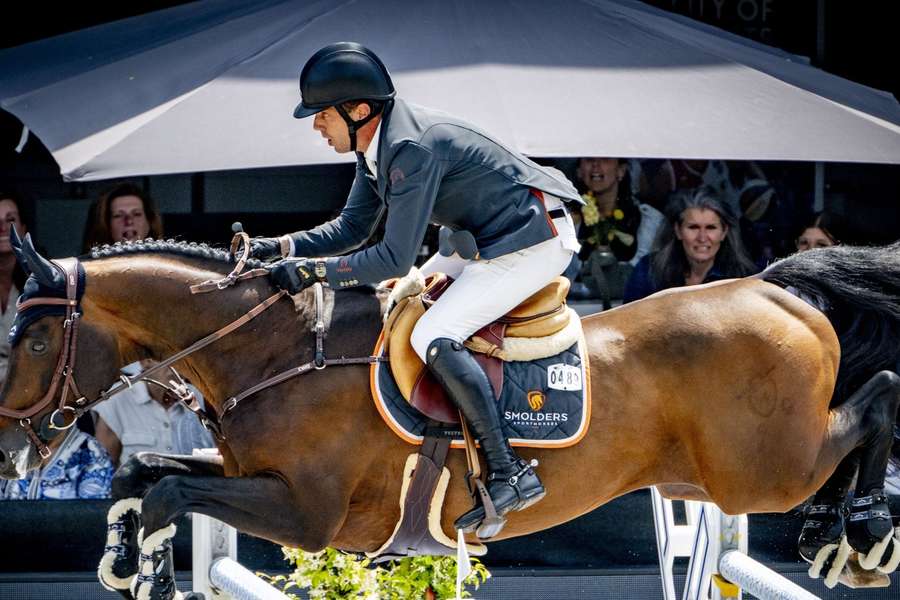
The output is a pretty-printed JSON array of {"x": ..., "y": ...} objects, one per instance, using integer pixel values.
[
  {"x": 16, "y": 243},
  {"x": 42, "y": 269}
]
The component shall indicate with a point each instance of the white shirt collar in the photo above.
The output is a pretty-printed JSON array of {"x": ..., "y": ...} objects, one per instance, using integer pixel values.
[{"x": 371, "y": 154}]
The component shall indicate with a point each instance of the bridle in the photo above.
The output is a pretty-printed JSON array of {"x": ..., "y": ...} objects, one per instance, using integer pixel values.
[
  {"x": 65, "y": 365},
  {"x": 50, "y": 426}
]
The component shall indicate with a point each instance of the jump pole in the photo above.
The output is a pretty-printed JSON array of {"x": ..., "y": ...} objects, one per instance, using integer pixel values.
[{"x": 707, "y": 537}]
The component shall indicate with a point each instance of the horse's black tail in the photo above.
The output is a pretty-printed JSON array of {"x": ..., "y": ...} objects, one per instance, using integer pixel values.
[{"x": 859, "y": 288}]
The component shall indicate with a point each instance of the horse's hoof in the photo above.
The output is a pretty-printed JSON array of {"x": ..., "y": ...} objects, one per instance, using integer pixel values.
[
  {"x": 884, "y": 555},
  {"x": 829, "y": 561},
  {"x": 855, "y": 577},
  {"x": 119, "y": 563}
]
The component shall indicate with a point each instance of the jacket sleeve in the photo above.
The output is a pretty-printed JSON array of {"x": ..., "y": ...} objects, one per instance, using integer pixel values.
[
  {"x": 415, "y": 176},
  {"x": 350, "y": 229}
]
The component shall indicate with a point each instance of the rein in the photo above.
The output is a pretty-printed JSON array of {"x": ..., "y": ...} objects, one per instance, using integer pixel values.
[{"x": 65, "y": 365}]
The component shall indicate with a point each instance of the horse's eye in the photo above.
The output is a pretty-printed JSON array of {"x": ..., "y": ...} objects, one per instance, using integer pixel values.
[{"x": 37, "y": 347}]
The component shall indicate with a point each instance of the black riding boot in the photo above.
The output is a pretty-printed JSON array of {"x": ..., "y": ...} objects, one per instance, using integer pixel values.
[{"x": 511, "y": 482}]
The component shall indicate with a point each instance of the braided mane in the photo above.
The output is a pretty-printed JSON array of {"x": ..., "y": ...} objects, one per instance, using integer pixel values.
[{"x": 170, "y": 246}]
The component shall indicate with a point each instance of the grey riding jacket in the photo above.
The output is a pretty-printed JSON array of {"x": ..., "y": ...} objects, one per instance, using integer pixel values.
[{"x": 433, "y": 168}]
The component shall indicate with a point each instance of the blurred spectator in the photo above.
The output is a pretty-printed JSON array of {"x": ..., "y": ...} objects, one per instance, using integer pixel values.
[
  {"x": 817, "y": 232},
  {"x": 615, "y": 231},
  {"x": 701, "y": 244},
  {"x": 79, "y": 468},
  {"x": 147, "y": 418},
  {"x": 12, "y": 277},
  {"x": 122, "y": 213},
  {"x": 142, "y": 417}
]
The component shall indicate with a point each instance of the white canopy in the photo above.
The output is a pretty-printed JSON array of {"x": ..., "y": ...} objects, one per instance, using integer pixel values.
[{"x": 211, "y": 85}]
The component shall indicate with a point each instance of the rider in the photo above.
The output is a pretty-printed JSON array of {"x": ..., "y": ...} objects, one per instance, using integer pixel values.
[{"x": 506, "y": 233}]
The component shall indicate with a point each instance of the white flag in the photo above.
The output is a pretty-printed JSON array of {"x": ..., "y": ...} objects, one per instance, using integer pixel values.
[{"x": 463, "y": 566}]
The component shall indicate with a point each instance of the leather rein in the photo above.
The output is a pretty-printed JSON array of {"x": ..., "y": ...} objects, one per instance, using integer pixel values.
[{"x": 65, "y": 365}]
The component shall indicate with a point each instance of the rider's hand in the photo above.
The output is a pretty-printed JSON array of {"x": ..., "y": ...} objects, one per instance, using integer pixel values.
[
  {"x": 265, "y": 248},
  {"x": 293, "y": 274}
]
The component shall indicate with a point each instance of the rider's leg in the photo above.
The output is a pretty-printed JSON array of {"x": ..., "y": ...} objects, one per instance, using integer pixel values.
[{"x": 483, "y": 292}]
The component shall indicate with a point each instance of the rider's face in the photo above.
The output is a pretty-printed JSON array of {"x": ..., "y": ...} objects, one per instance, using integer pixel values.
[
  {"x": 701, "y": 232},
  {"x": 331, "y": 125}
]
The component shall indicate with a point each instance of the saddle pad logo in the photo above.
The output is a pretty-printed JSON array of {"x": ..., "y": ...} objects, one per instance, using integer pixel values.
[
  {"x": 564, "y": 377},
  {"x": 536, "y": 400}
]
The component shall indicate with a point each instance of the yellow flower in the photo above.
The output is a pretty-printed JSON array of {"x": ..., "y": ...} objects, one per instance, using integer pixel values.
[
  {"x": 618, "y": 215},
  {"x": 590, "y": 214}
]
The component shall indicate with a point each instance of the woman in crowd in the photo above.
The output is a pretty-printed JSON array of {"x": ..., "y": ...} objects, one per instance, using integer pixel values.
[
  {"x": 702, "y": 243},
  {"x": 124, "y": 212},
  {"x": 818, "y": 232},
  {"x": 608, "y": 227}
]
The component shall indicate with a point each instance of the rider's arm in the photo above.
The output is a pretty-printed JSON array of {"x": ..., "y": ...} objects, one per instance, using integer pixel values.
[
  {"x": 350, "y": 229},
  {"x": 415, "y": 176}
]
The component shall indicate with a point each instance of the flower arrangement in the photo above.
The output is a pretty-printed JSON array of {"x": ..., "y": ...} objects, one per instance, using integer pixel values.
[
  {"x": 333, "y": 575},
  {"x": 603, "y": 230}
]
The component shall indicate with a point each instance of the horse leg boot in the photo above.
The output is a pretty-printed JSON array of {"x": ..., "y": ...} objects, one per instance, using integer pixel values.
[
  {"x": 511, "y": 483},
  {"x": 119, "y": 564},
  {"x": 868, "y": 523}
]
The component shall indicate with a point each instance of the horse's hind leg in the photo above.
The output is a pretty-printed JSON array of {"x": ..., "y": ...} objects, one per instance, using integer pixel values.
[
  {"x": 822, "y": 542},
  {"x": 862, "y": 430},
  {"x": 134, "y": 478},
  {"x": 869, "y": 526}
]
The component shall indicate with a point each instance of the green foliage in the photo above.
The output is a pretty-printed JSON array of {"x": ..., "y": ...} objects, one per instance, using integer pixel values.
[{"x": 334, "y": 575}]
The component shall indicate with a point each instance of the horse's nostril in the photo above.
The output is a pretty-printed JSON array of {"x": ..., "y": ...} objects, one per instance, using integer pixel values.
[{"x": 3, "y": 457}]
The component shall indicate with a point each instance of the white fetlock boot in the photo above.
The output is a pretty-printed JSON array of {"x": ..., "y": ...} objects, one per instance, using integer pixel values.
[
  {"x": 119, "y": 563},
  {"x": 156, "y": 570}
]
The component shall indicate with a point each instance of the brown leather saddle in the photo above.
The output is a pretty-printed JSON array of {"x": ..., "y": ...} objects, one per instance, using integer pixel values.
[{"x": 543, "y": 314}]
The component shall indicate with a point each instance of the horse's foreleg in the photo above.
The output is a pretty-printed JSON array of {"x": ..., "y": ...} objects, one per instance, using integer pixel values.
[
  {"x": 262, "y": 505},
  {"x": 134, "y": 478}
]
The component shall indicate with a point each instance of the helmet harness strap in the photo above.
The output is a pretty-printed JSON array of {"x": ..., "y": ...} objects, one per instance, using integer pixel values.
[{"x": 354, "y": 126}]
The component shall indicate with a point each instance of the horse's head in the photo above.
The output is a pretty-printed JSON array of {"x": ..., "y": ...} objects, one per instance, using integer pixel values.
[{"x": 46, "y": 386}]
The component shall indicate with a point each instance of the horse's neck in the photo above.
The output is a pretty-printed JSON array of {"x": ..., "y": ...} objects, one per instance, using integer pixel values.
[{"x": 145, "y": 301}]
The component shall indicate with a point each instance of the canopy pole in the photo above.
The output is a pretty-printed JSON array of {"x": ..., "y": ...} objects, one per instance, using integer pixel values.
[{"x": 819, "y": 189}]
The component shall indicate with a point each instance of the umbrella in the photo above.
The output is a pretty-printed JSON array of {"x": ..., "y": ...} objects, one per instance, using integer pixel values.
[{"x": 210, "y": 85}]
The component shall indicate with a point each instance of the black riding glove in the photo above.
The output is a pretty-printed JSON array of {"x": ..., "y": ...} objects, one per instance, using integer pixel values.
[
  {"x": 296, "y": 274},
  {"x": 265, "y": 248}
]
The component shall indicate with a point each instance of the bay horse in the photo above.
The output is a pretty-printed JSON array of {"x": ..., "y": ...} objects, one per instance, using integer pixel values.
[{"x": 752, "y": 393}]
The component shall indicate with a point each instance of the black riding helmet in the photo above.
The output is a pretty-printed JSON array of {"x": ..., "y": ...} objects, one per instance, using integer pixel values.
[{"x": 340, "y": 73}]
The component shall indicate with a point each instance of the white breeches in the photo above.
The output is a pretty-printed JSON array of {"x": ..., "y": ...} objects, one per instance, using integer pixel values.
[{"x": 485, "y": 290}]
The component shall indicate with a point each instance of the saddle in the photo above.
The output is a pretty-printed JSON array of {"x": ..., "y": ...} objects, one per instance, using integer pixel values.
[{"x": 539, "y": 327}]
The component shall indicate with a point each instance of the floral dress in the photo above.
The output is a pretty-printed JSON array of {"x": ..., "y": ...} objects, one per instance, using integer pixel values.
[{"x": 80, "y": 468}]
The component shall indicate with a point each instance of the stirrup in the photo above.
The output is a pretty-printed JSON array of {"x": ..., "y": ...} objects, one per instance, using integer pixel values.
[{"x": 492, "y": 521}]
